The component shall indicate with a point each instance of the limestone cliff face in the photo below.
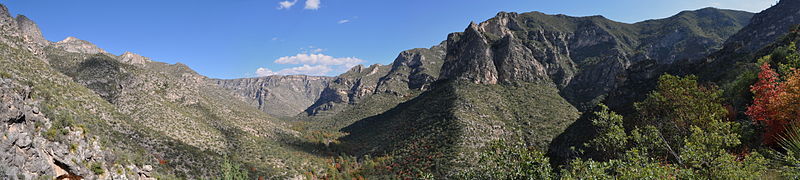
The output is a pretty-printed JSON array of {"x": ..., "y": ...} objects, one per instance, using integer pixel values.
[
  {"x": 278, "y": 95},
  {"x": 469, "y": 57},
  {"x": 475, "y": 57}
]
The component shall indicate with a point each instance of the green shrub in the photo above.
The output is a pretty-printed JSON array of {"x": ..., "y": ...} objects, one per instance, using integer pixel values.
[
  {"x": 5, "y": 75},
  {"x": 73, "y": 147},
  {"x": 502, "y": 160},
  {"x": 232, "y": 171},
  {"x": 97, "y": 168}
]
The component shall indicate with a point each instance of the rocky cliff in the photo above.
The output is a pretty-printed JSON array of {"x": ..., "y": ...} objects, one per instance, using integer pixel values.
[
  {"x": 583, "y": 56},
  {"x": 278, "y": 95}
]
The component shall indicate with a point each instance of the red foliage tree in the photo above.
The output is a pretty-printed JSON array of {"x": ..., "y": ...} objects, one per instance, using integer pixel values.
[{"x": 765, "y": 92}]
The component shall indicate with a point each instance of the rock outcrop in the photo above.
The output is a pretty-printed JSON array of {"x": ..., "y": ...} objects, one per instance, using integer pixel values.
[
  {"x": 26, "y": 153},
  {"x": 72, "y": 44},
  {"x": 30, "y": 31},
  {"x": 132, "y": 58},
  {"x": 278, "y": 95}
]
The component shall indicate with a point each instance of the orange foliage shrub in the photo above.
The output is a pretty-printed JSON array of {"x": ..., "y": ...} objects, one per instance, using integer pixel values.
[
  {"x": 776, "y": 104},
  {"x": 787, "y": 103}
]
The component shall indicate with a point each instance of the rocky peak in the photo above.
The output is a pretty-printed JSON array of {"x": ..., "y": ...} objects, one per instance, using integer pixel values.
[
  {"x": 21, "y": 33},
  {"x": 72, "y": 44},
  {"x": 413, "y": 69},
  {"x": 469, "y": 57},
  {"x": 501, "y": 25},
  {"x": 473, "y": 56},
  {"x": 132, "y": 58},
  {"x": 767, "y": 26},
  {"x": 30, "y": 31}
]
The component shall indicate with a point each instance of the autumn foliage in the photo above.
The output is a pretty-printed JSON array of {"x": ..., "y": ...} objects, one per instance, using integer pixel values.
[
  {"x": 787, "y": 104},
  {"x": 775, "y": 104}
]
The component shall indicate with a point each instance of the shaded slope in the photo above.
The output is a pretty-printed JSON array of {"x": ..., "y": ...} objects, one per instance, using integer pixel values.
[{"x": 444, "y": 127}]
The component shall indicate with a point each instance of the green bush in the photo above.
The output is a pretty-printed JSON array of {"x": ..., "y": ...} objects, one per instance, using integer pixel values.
[
  {"x": 5, "y": 75},
  {"x": 232, "y": 171},
  {"x": 502, "y": 160},
  {"x": 97, "y": 168}
]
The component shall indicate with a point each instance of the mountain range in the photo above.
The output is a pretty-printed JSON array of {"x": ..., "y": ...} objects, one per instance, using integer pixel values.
[{"x": 72, "y": 109}]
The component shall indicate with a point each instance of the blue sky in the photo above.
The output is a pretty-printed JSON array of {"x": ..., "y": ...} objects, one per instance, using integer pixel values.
[{"x": 246, "y": 38}]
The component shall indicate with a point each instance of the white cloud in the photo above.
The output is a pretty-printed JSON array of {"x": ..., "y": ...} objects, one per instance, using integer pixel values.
[
  {"x": 318, "y": 70},
  {"x": 287, "y": 4},
  {"x": 265, "y": 72},
  {"x": 312, "y": 64},
  {"x": 312, "y": 4},
  {"x": 311, "y": 61},
  {"x": 318, "y": 59},
  {"x": 344, "y": 21}
]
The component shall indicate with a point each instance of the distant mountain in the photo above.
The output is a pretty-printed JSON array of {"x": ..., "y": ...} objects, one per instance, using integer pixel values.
[{"x": 284, "y": 96}]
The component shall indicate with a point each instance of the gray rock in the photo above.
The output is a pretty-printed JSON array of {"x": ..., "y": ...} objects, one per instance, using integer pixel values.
[{"x": 24, "y": 140}]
